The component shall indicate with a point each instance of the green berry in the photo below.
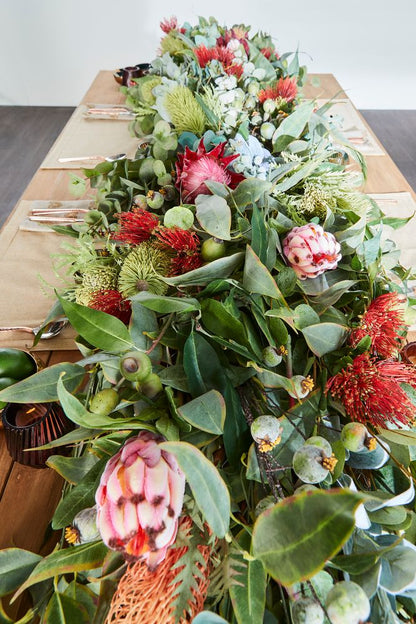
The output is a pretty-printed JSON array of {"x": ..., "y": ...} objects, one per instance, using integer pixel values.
[
  {"x": 353, "y": 436},
  {"x": 155, "y": 201},
  {"x": 271, "y": 357},
  {"x": 140, "y": 201},
  {"x": 151, "y": 386},
  {"x": 135, "y": 366},
  {"x": 347, "y": 603},
  {"x": 212, "y": 249},
  {"x": 104, "y": 402},
  {"x": 307, "y": 611},
  {"x": 320, "y": 443},
  {"x": 307, "y": 464}
]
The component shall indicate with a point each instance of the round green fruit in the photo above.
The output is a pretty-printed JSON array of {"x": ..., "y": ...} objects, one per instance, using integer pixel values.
[
  {"x": 212, "y": 249},
  {"x": 307, "y": 464},
  {"x": 320, "y": 443},
  {"x": 151, "y": 386},
  {"x": 104, "y": 402},
  {"x": 16, "y": 364},
  {"x": 135, "y": 366},
  {"x": 347, "y": 603},
  {"x": 307, "y": 611},
  {"x": 353, "y": 436}
]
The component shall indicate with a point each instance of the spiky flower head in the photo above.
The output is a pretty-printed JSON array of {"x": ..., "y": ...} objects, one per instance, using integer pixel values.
[
  {"x": 184, "y": 111},
  {"x": 97, "y": 276},
  {"x": 135, "y": 226},
  {"x": 111, "y": 302},
  {"x": 171, "y": 23},
  {"x": 370, "y": 391},
  {"x": 316, "y": 200},
  {"x": 193, "y": 169},
  {"x": 383, "y": 322},
  {"x": 186, "y": 246},
  {"x": 221, "y": 54},
  {"x": 284, "y": 89},
  {"x": 270, "y": 54},
  {"x": 143, "y": 269}
]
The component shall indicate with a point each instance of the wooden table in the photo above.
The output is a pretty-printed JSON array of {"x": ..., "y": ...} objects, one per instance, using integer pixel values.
[{"x": 29, "y": 496}]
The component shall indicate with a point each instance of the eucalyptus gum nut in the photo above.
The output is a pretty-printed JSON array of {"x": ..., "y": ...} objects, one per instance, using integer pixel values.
[
  {"x": 307, "y": 466},
  {"x": 140, "y": 201},
  {"x": 164, "y": 179},
  {"x": 347, "y": 603},
  {"x": 212, "y": 249},
  {"x": 179, "y": 216},
  {"x": 104, "y": 402},
  {"x": 269, "y": 106},
  {"x": 321, "y": 443},
  {"x": 271, "y": 357},
  {"x": 353, "y": 436},
  {"x": 151, "y": 386},
  {"x": 135, "y": 366},
  {"x": 266, "y": 428},
  {"x": 307, "y": 611},
  {"x": 86, "y": 523},
  {"x": 156, "y": 201}
]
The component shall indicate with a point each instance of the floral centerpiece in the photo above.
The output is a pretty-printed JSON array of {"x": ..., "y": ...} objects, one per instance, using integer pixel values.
[{"x": 244, "y": 441}]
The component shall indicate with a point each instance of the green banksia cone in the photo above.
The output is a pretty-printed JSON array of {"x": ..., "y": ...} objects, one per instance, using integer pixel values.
[
  {"x": 347, "y": 603},
  {"x": 184, "y": 111},
  {"x": 96, "y": 277},
  {"x": 142, "y": 270},
  {"x": 307, "y": 611},
  {"x": 104, "y": 402},
  {"x": 135, "y": 366}
]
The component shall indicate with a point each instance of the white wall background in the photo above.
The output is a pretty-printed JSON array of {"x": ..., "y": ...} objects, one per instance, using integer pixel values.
[{"x": 50, "y": 50}]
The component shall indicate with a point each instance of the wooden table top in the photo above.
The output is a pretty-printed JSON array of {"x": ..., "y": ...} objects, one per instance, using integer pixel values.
[{"x": 29, "y": 496}]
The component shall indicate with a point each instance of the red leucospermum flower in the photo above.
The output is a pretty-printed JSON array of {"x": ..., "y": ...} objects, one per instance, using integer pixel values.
[
  {"x": 193, "y": 169},
  {"x": 136, "y": 226},
  {"x": 285, "y": 88},
  {"x": 169, "y": 24},
  {"x": 382, "y": 321},
  {"x": 370, "y": 391},
  {"x": 186, "y": 245},
  {"x": 240, "y": 33},
  {"x": 225, "y": 56},
  {"x": 204, "y": 55},
  {"x": 269, "y": 53},
  {"x": 111, "y": 302}
]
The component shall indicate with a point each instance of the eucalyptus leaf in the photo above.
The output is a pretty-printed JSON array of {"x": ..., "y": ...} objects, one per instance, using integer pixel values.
[
  {"x": 214, "y": 215},
  {"x": 223, "y": 267},
  {"x": 248, "y": 593},
  {"x": 62, "y": 609},
  {"x": 166, "y": 305},
  {"x": 15, "y": 566},
  {"x": 206, "y": 412},
  {"x": 257, "y": 278},
  {"x": 208, "y": 617},
  {"x": 324, "y": 337},
  {"x": 42, "y": 387},
  {"x": 72, "y": 469}
]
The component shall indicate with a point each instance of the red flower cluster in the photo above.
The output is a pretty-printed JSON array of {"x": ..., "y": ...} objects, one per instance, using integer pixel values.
[
  {"x": 237, "y": 32},
  {"x": 370, "y": 391},
  {"x": 269, "y": 53},
  {"x": 136, "y": 226},
  {"x": 285, "y": 88},
  {"x": 193, "y": 169},
  {"x": 186, "y": 245},
  {"x": 169, "y": 24},
  {"x": 382, "y": 321},
  {"x": 111, "y": 302},
  {"x": 221, "y": 54}
]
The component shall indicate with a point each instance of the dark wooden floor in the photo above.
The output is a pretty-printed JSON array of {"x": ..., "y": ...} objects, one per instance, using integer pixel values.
[{"x": 27, "y": 133}]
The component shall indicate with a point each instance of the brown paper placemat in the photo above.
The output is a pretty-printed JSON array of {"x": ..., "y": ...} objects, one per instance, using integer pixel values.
[
  {"x": 90, "y": 137},
  {"x": 25, "y": 257}
]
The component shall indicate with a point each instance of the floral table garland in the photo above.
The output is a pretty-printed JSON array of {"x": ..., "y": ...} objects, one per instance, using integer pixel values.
[{"x": 244, "y": 444}]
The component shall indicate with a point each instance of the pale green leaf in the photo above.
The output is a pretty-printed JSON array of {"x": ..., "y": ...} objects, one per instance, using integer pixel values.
[{"x": 206, "y": 412}]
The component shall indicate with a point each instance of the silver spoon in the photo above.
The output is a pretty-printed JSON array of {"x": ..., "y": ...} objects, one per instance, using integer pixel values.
[
  {"x": 113, "y": 158},
  {"x": 50, "y": 331}
]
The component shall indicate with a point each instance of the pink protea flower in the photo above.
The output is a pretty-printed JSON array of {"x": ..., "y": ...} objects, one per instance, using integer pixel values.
[
  {"x": 285, "y": 89},
  {"x": 311, "y": 251},
  {"x": 168, "y": 24},
  {"x": 139, "y": 500},
  {"x": 193, "y": 169}
]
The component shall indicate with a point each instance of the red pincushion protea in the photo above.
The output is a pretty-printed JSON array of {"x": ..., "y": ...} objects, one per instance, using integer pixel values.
[
  {"x": 370, "y": 391},
  {"x": 169, "y": 24},
  {"x": 186, "y": 245},
  {"x": 204, "y": 55},
  {"x": 285, "y": 88},
  {"x": 193, "y": 169},
  {"x": 382, "y": 321},
  {"x": 111, "y": 302},
  {"x": 269, "y": 53},
  {"x": 136, "y": 226}
]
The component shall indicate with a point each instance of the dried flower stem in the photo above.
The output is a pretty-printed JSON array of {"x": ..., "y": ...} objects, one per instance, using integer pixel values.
[{"x": 162, "y": 333}]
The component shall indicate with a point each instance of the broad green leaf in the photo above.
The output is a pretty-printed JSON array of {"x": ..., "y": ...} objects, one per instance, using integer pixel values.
[
  {"x": 398, "y": 568},
  {"x": 15, "y": 567},
  {"x": 175, "y": 377},
  {"x": 206, "y": 412},
  {"x": 72, "y": 559},
  {"x": 80, "y": 497},
  {"x": 42, "y": 387},
  {"x": 207, "y": 617},
  {"x": 201, "y": 365},
  {"x": 78, "y": 435},
  {"x": 248, "y": 593},
  {"x": 259, "y": 235},
  {"x": 214, "y": 215},
  {"x": 62, "y": 609},
  {"x": 218, "y": 320},
  {"x": 72, "y": 469},
  {"x": 305, "y": 316},
  {"x": 294, "y": 124},
  {"x": 257, "y": 279},
  {"x": 208, "y": 489},
  {"x": 166, "y": 305},
  {"x": 143, "y": 321},
  {"x": 399, "y": 436},
  {"x": 298, "y": 536},
  {"x": 249, "y": 191},
  {"x": 84, "y": 596},
  {"x": 333, "y": 293},
  {"x": 100, "y": 329},
  {"x": 324, "y": 337},
  {"x": 223, "y": 267}
]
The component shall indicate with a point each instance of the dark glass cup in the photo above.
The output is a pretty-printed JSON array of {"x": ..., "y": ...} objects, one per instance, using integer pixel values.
[
  {"x": 30, "y": 425},
  {"x": 128, "y": 74}
]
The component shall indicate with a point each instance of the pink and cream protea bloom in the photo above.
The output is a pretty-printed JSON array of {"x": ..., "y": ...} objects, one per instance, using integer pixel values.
[
  {"x": 139, "y": 500},
  {"x": 193, "y": 169},
  {"x": 311, "y": 251}
]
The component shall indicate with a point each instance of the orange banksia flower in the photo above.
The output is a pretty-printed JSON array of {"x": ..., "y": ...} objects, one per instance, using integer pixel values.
[{"x": 146, "y": 597}]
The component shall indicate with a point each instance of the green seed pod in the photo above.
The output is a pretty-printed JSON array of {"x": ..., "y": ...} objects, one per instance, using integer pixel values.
[
  {"x": 353, "y": 436},
  {"x": 320, "y": 443},
  {"x": 347, "y": 603},
  {"x": 104, "y": 402},
  {"x": 179, "y": 216},
  {"x": 307, "y": 611},
  {"x": 266, "y": 430},
  {"x": 269, "y": 106},
  {"x": 84, "y": 527},
  {"x": 140, "y": 201},
  {"x": 212, "y": 249},
  {"x": 307, "y": 464},
  {"x": 271, "y": 357},
  {"x": 155, "y": 201},
  {"x": 267, "y": 130},
  {"x": 135, "y": 366},
  {"x": 151, "y": 386}
]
